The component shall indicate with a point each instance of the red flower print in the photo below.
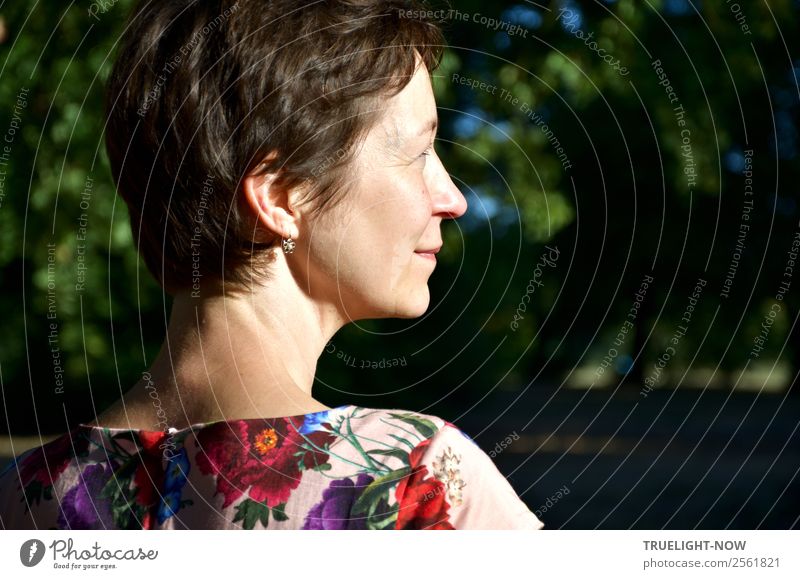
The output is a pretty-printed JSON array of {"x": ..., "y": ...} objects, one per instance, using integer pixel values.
[
  {"x": 262, "y": 456},
  {"x": 149, "y": 475},
  {"x": 150, "y": 441},
  {"x": 421, "y": 500}
]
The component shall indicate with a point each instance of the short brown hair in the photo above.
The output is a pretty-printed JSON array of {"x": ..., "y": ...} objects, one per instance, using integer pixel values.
[{"x": 202, "y": 91}]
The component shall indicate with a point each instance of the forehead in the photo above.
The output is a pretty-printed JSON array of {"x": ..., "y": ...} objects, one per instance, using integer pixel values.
[{"x": 410, "y": 112}]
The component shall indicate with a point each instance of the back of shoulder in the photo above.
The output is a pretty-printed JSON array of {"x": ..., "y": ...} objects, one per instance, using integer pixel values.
[
  {"x": 31, "y": 483},
  {"x": 403, "y": 426},
  {"x": 453, "y": 483},
  {"x": 482, "y": 496}
]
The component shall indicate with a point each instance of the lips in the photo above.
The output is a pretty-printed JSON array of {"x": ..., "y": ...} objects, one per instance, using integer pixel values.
[{"x": 429, "y": 254}]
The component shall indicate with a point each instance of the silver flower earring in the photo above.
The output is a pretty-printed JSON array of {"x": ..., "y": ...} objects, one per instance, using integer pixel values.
[{"x": 288, "y": 245}]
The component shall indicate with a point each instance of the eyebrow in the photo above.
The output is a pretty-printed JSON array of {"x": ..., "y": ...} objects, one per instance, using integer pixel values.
[{"x": 395, "y": 140}]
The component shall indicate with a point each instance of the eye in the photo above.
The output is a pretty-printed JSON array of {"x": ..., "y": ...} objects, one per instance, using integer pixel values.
[{"x": 426, "y": 152}]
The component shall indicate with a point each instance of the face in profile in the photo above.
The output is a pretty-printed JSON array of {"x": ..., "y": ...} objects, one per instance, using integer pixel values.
[{"x": 372, "y": 254}]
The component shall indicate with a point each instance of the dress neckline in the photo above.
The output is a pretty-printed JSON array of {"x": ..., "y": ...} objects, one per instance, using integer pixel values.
[{"x": 200, "y": 425}]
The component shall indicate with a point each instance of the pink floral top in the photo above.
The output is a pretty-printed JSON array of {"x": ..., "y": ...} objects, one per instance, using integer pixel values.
[{"x": 345, "y": 468}]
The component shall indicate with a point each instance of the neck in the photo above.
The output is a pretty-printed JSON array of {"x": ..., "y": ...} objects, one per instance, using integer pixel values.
[{"x": 233, "y": 356}]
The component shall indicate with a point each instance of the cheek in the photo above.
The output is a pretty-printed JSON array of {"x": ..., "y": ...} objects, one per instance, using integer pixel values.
[
  {"x": 405, "y": 220},
  {"x": 397, "y": 215},
  {"x": 412, "y": 204},
  {"x": 378, "y": 229}
]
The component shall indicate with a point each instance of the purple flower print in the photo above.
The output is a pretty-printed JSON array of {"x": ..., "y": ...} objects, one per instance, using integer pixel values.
[
  {"x": 81, "y": 507},
  {"x": 333, "y": 511}
]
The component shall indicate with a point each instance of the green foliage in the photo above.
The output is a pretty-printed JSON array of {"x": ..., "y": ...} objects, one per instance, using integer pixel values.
[{"x": 60, "y": 201}]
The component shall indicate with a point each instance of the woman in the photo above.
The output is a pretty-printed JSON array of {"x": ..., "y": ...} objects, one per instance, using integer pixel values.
[{"x": 278, "y": 165}]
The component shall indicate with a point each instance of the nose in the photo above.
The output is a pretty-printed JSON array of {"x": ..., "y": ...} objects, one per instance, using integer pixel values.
[{"x": 446, "y": 197}]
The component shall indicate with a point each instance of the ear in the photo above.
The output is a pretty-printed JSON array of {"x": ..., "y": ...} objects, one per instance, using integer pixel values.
[{"x": 270, "y": 206}]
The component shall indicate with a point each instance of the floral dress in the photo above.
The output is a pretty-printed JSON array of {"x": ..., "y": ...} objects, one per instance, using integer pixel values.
[{"x": 349, "y": 467}]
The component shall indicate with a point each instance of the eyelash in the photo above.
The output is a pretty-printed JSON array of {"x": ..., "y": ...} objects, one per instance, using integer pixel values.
[{"x": 427, "y": 152}]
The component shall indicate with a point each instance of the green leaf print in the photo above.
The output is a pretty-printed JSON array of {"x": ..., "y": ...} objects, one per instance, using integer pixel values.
[
  {"x": 279, "y": 512},
  {"x": 111, "y": 489},
  {"x": 382, "y": 519},
  {"x": 251, "y": 511},
  {"x": 377, "y": 490},
  {"x": 395, "y": 452},
  {"x": 424, "y": 426},
  {"x": 408, "y": 443},
  {"x": 33, "y": 493},
  {"x": 121, "y": 513},
  {"x": 378, "y": 524}
]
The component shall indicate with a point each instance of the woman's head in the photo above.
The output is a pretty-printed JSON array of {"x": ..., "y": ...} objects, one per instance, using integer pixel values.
[
  {"x": 366, "y": 254},
  {"x": 232, "y": 124}
]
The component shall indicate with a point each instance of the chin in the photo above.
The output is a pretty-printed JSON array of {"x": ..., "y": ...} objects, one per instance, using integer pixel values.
[
  {"x": 406, "y": 305},
  {"x": 414, "y": 306}
]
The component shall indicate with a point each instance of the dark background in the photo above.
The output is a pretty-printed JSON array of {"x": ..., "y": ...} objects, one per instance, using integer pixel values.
[{"x": 713, "y": 445}]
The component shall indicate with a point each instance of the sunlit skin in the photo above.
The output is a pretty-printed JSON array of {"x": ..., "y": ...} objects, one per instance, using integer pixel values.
[
  {"x": 362, "y": 255},
  {"x": 370, "y": 256}
]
